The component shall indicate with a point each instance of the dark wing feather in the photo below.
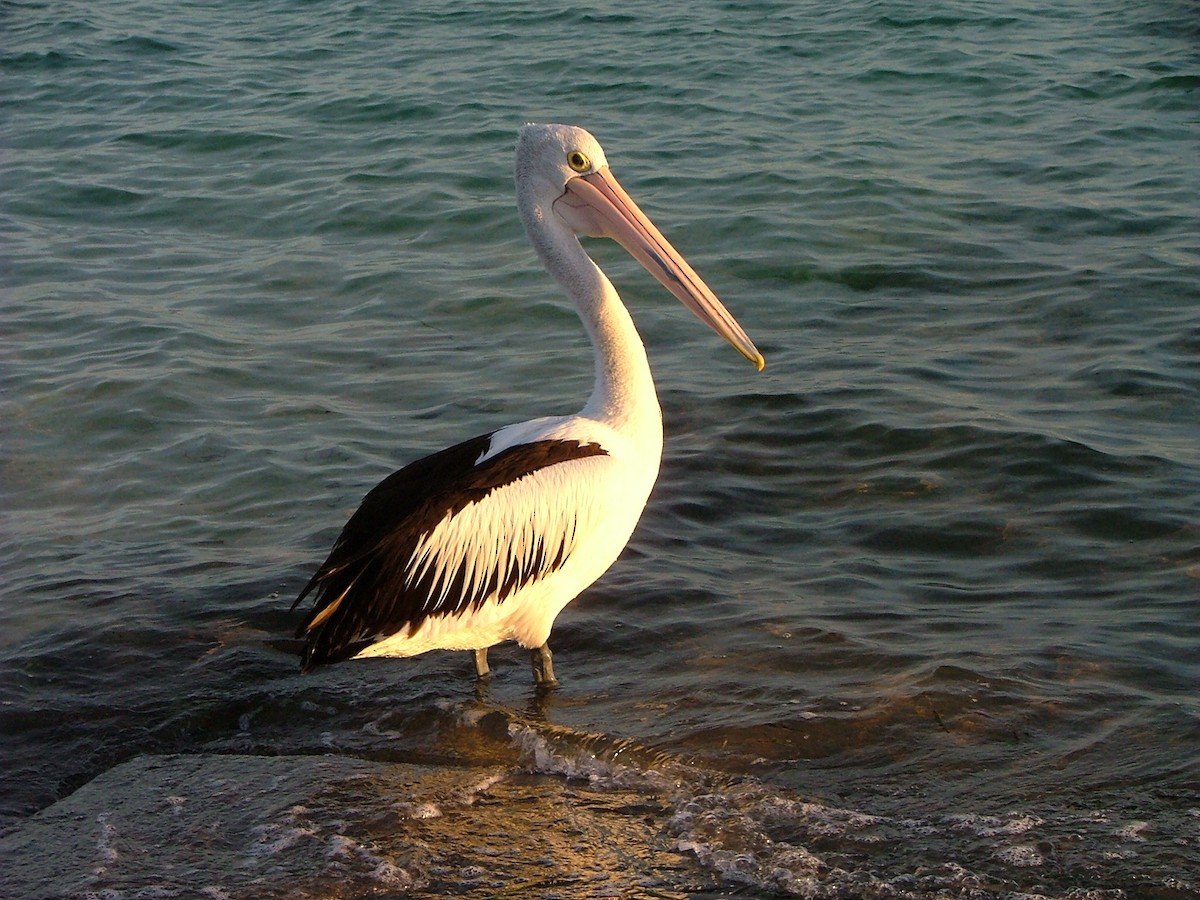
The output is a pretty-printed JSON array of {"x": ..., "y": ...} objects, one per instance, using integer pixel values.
[{"x": 363, "y": 589}]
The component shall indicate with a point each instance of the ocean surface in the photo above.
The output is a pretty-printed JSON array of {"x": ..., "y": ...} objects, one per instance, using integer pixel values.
[{"x": 915, "y": 612}]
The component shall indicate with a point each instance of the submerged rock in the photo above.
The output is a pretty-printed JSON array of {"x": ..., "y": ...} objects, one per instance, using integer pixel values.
[
  {"x": 306, "y": 826},
  {"x": 219, "y": 826}
]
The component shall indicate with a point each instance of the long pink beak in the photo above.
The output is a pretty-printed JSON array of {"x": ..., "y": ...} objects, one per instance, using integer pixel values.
[{"x": 597, "y": 205}]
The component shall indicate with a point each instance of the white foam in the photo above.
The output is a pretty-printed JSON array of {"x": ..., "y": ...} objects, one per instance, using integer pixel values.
[
  {"x": 104, "y": 843},
  {"x": 383, "y": 870},
  {"x": 545, "y": 757},
  {"x": 274, "y": 838},
  {"x": 1134, "y": 832},
  {"x": 993, "y": 826},
  {"x": 426, "y": 811},
  {"x": 1023, "y": 855},
  {"x": 471, "y": 794}
]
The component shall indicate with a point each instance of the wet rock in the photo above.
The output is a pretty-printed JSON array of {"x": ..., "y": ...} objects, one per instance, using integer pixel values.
[
  {"x": 304, "y": 826},
  {"x": 218, "y": 826}
]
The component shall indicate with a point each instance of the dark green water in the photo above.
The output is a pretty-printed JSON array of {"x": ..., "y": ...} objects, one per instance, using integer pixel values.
[{"x": 920, "y": 600}]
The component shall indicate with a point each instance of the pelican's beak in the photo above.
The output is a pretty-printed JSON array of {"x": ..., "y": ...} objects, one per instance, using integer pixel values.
[{"x": 598, "y": 206}]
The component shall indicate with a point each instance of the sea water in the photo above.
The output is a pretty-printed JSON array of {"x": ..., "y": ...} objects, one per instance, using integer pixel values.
[{"x": 912, "y": 612}]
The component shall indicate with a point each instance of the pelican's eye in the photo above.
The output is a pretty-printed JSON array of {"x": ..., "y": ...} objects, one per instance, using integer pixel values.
[{"x": 578, "y": 161}]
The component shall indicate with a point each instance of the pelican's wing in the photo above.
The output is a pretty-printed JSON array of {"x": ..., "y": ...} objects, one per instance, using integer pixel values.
[{"x": 441, "y": 536}]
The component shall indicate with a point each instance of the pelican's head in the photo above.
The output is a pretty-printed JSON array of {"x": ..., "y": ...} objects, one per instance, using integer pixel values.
[
  {"x": 562, "y": 172},
  {"x": 549, "y": 156}
]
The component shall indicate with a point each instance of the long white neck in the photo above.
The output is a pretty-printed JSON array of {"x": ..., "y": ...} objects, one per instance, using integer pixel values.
[{"x": 624, "y": 395}]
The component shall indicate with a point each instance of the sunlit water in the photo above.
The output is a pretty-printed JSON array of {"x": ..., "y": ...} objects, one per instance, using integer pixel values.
[{"x": 912, "y": 611}]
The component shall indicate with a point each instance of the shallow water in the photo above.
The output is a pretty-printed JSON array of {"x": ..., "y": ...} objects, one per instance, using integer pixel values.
[{"x": 919, "y": 600}]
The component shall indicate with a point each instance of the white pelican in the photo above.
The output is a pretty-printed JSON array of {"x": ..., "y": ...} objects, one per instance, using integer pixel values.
[{"x": 488, "y": 540}]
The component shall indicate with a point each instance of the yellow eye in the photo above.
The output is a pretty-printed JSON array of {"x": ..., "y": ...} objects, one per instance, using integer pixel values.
[{"x": 578, "y": 161}]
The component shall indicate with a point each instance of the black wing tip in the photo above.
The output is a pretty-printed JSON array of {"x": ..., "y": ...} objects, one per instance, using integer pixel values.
[
  {"x": 320, "y": 575},
  {"x": 317, "y": 654}
]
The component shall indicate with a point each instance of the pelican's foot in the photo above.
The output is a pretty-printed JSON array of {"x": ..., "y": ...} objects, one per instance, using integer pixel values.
[
  {"x": 482, "y": 672},
  {"x": 543, "y": 668}
]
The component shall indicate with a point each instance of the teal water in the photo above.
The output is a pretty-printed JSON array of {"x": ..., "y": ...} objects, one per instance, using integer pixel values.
[{"x": 936, "y": 569}]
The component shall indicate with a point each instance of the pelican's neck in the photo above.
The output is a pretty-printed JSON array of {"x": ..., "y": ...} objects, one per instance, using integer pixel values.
[
  {"x": 624, "y": 395},
  {"x": 624, "y": 387}
]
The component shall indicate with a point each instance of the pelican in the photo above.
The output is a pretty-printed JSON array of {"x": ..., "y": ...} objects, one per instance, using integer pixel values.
[{"x": 488, "y": 540}]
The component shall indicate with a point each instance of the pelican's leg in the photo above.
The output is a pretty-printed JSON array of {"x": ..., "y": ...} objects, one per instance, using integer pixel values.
[
  {"x": 543, "y": 667},
  {"x": 481, "y": 664}
]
